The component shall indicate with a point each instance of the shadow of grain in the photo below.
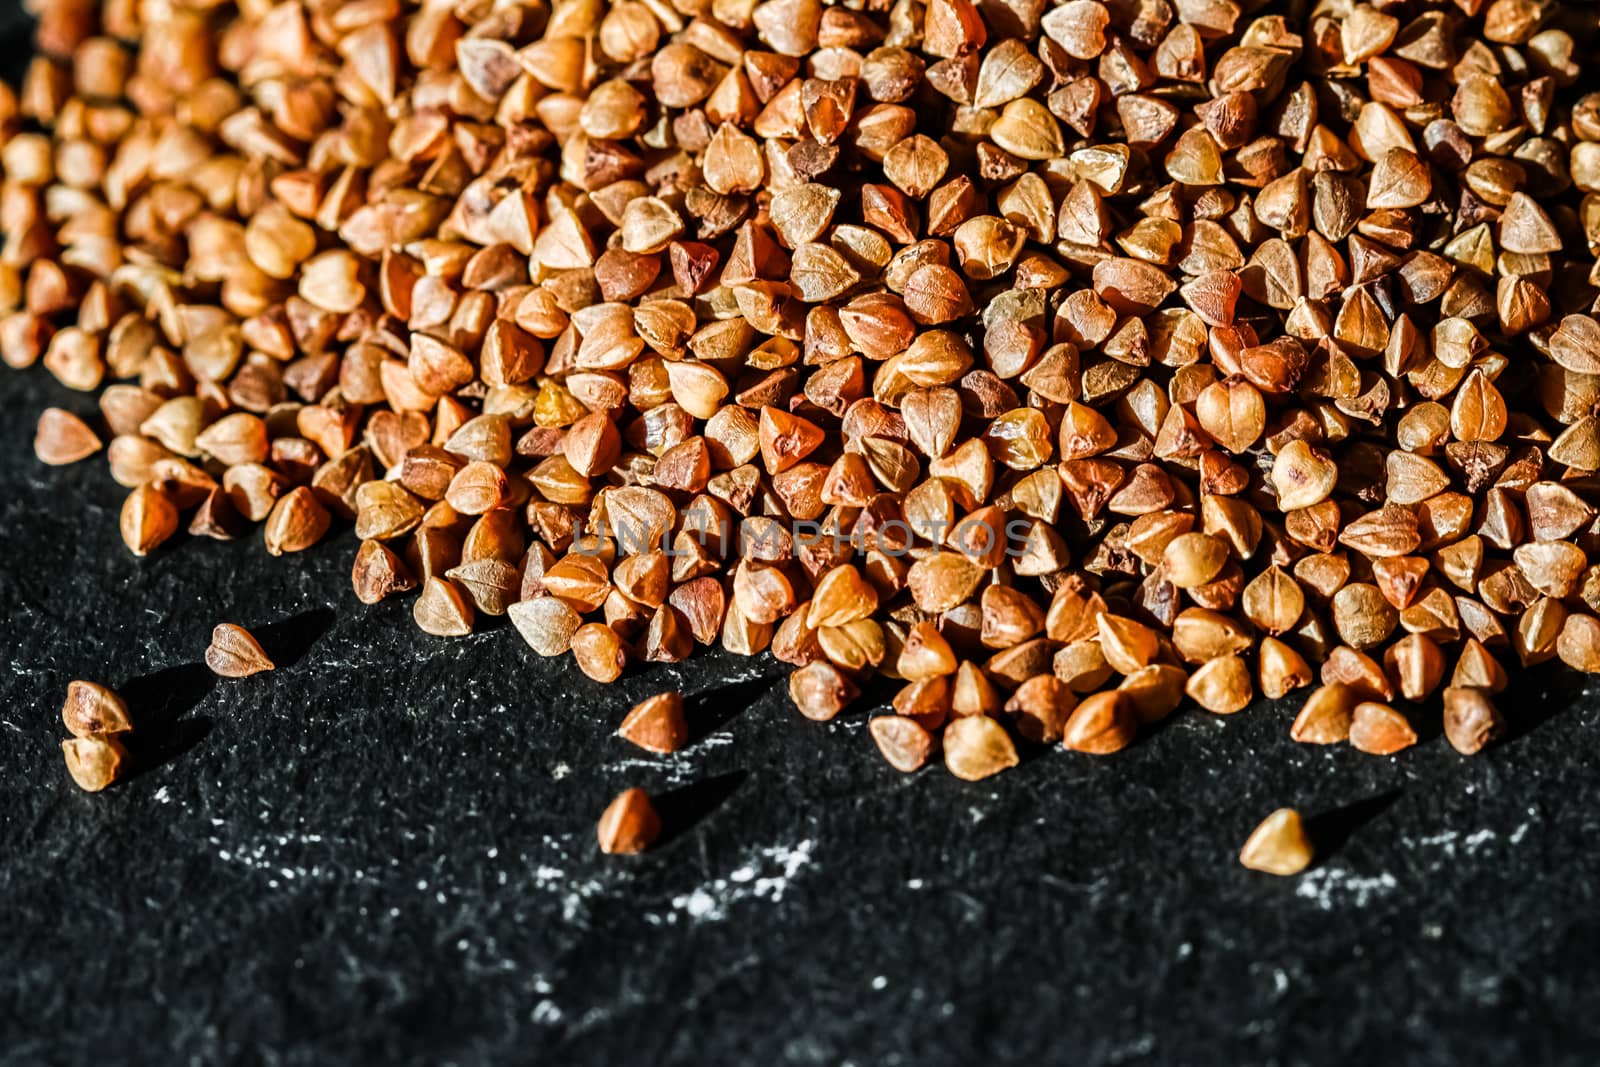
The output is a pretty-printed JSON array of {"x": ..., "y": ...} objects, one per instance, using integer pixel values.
[
  {"x": 160, "y": 705},
  {"x": 877, "y": 697},
  {"x": 287, "y": 641},
  {"x": 1329, "y": 830},
  {"x": 685, "y": 807},
  {"x": 708, "y": 712},
  {"x": 1538, "y": 694}
]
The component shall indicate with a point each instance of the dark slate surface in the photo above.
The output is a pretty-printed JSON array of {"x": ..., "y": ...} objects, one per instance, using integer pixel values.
[{"x": 384, "y": 852}]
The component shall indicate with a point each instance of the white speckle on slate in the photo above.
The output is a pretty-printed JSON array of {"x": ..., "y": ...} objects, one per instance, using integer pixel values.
[
  {"x": 1450, "y": 841},
  {"x": 1446, "y": 841},
  {"x": 560, "y": 771},
  {"x": 162, "y": 796},
  {"x": 674, "y": 770},
  {"x": 546, "y": 1012},
  {"x": 698, "y": 904},
  {"x": 267, "y": 855},
  {"x": 915, "y": 883},
  {"x": 711, "y": 901},
  {"x": 1140, "y": 1046},
  {"x": 1333, "y": 887},
  {"x": 879, "y": 982}
]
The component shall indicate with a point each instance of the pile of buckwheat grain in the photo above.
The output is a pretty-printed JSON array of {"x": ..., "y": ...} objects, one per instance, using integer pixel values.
[{"x": 1058, "y": 361}]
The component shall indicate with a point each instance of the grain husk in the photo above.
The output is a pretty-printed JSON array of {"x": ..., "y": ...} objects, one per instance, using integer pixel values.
[
  {"x": 235, "y": 653},
  {"x": 1279, "y": 845}
]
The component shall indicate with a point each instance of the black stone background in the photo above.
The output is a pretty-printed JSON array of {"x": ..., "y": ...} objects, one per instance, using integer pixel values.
[{"x": 384, "y": 853}]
